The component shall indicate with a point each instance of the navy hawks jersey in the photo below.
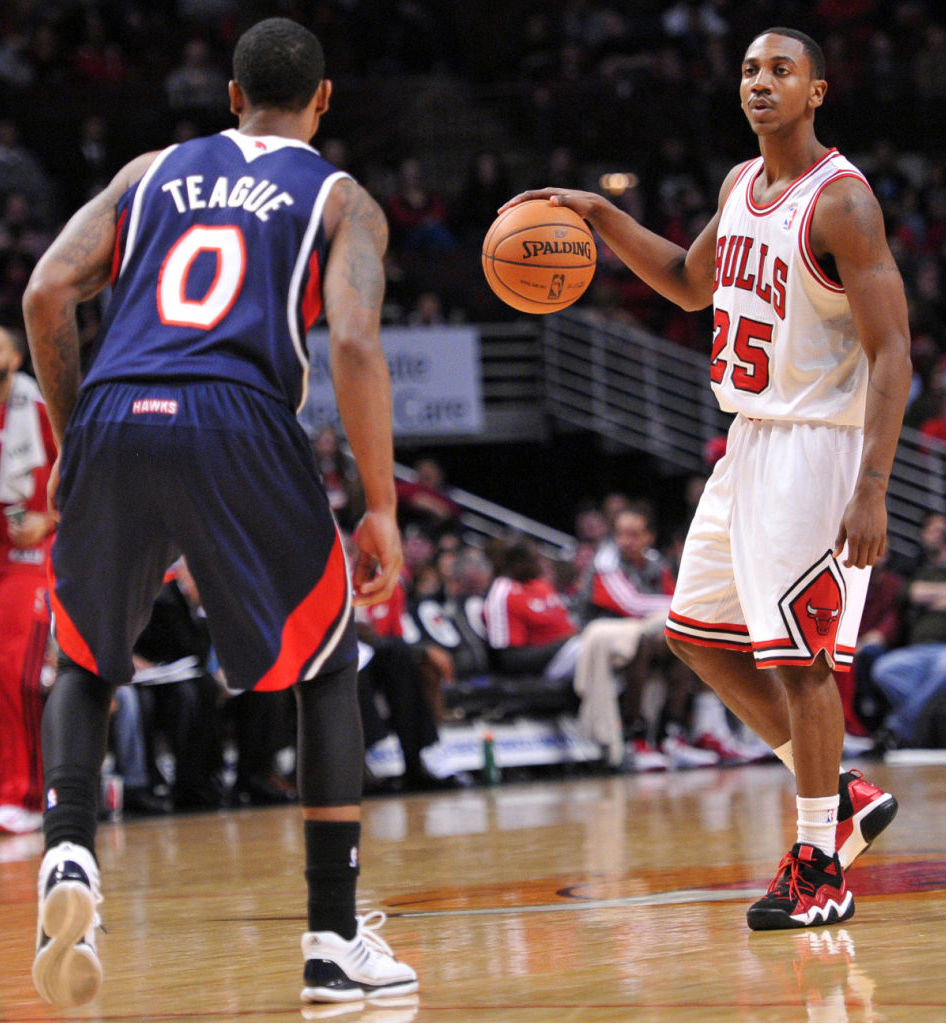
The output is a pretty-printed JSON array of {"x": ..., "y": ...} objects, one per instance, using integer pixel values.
[{"x": 210, "y": 242}]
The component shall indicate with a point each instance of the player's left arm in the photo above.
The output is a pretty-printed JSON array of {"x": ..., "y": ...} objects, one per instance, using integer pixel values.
[
  {"x": 353, "y": 291},
  {"x": 73, "y": 269},
  {"x": 848, "y": 224}
]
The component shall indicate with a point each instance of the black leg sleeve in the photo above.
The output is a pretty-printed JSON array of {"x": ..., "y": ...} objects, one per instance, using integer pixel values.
[
  {"x": 331, "y": 749},
  {"x": 75, "y": 735}
]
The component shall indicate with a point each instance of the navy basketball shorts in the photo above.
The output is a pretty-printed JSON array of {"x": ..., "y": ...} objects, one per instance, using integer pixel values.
[{"x": 224, "y": 475}]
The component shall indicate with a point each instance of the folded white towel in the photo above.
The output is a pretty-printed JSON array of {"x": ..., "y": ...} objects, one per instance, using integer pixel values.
[{"x": 21, "y": 441}]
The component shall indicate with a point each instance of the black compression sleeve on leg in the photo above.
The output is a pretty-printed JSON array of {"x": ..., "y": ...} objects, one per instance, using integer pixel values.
[
  {"x": 331, "y": 872},
  {"x": 75, "y": 734},
  {"x": 331, "y": 750}
]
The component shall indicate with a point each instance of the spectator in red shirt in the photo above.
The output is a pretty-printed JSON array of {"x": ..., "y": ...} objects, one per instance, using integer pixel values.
[
  {"x": 27, "y": 453},
  {"x": 528, "y": 627}
]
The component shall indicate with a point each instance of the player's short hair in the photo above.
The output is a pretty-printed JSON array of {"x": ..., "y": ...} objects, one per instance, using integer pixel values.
[
  {"x": 812, "y": 49},
  {"x": 278, "y": 63}
]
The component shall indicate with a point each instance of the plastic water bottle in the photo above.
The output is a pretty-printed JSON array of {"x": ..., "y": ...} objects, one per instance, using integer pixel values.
[
  {"x": 114, "y": 796},
  {"x": 491, "y": 773}
]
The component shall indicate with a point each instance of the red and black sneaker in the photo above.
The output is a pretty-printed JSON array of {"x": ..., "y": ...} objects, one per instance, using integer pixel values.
[
  {"x": 864, "y": 812},
  {"x": 808, "y": 889}
]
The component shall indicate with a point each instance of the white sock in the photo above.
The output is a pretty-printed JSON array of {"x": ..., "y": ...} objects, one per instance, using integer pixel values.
[
  {"x": 817, "y": 821},
  {"x": 784, "y": 754}
]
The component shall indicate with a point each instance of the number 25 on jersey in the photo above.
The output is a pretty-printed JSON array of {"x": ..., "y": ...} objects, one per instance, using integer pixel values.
[{"x": 749, "y": 352}]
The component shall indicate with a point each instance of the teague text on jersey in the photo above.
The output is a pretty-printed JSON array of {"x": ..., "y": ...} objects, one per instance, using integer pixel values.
[
  {"x": 742, "y": 264},
  {"x": 532, "y": 247},
  {"x": 246, "y": 193}
]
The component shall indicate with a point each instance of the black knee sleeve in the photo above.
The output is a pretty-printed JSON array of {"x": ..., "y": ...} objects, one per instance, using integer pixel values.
[
  {"x": 75, "y": 733},
  {"x": 331, "y": 751}
]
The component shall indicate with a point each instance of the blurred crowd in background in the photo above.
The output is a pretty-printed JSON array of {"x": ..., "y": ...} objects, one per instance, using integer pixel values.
[{"x": 444, "y": 110}]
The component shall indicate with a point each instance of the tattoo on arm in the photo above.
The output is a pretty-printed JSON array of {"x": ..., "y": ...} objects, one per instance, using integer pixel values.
[
  {"x": 363, "y": 270},
  {"x": 73, "y": 269},
  {"x": 61, "y": 376},
  {"x": 83, "y": 244}
]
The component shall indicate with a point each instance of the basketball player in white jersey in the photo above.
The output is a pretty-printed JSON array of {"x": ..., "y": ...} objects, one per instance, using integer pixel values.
[{"x": 811, "y": 352}]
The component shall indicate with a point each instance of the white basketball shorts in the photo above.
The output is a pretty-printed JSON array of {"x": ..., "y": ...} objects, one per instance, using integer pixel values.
[{"x": 757, "y": 572}]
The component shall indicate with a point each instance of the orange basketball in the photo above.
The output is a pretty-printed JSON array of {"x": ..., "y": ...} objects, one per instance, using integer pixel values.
[{"x": 539, "y": 258}]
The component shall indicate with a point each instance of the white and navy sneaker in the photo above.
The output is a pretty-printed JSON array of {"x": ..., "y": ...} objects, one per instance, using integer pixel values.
[
  {"x": 339, "y": 970},
  {"x": 67, "y": 970}
]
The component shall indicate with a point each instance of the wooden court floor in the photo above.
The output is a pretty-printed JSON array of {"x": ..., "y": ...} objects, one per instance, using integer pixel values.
[{"x": 589, "y": 899}]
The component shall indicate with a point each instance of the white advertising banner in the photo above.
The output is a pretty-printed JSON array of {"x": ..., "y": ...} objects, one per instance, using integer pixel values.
[{"x": 435, "y": 381}]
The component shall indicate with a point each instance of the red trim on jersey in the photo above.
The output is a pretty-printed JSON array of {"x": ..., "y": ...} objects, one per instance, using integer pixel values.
[
  {"x": 804, "y": 234},
  {"x": 754, "y": 208},
  {"x": 769, "y": 644},
  {"x": 729, "y": 627},
  {"x": 312, "y": 297},
  {"x": 118, "y": 248},
  {"x": 801, "y": 659},
  {"x": 697, "y": 627},
  {"x": 67, "y": 635},
  {"x": 840, "y": 655},
  {"x": 309, "y": 623},
  {"x": 700, "y": 641},
  {"x": 747, "y": 167}
]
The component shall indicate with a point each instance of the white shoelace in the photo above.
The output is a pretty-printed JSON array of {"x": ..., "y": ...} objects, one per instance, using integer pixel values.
[{"x": 368, "y": 926}]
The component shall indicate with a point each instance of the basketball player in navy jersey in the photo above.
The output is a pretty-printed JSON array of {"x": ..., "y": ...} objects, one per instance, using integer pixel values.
[
  {"x": 182, "y": 437},
  {"x": 811, "y": 352}
]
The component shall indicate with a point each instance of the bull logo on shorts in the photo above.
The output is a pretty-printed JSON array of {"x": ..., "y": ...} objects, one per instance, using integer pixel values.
[
  {"x": 812, "y": 608},
  {"x": 823, "y": 617}
]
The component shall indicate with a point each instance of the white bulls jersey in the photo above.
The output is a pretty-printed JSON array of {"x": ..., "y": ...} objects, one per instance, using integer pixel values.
[{"x": 784, "y": 343}]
